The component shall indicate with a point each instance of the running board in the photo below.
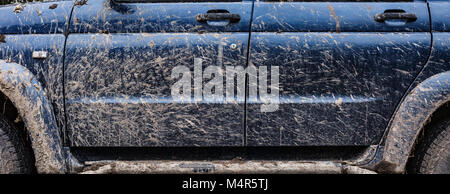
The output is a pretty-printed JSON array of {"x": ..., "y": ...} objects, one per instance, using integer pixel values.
[{"x": 234, "y": 166}]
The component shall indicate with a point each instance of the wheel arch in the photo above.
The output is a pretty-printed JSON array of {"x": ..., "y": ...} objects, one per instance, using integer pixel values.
[
  {"x": 410, "y": 119},
  {"x": 30, "y": 99}
]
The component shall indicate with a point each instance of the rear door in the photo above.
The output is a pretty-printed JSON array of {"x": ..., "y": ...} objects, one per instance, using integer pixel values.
[
  {"x": 343, "y": 67},
  {"x": 124, "y": 59}
]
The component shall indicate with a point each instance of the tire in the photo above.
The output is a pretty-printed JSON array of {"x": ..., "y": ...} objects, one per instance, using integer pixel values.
[
  {"x": 15, "y": 156},
  {"x": 432, "y": 156}
]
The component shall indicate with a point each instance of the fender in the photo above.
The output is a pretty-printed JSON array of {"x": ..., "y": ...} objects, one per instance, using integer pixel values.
[
  {"x": 30, "y": 99},
  {"x": 410, "y": 118}
]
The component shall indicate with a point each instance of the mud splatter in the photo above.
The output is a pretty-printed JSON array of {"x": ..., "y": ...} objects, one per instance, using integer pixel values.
[
  {"x": 336, "y": 18},
  {"x": 54, "y": 6},
  {"x": 215, "y": 167},
  {"x": 38, "y": 12},
  {"x": 80, "y": 2},
  {"x": 18, "y": 9}
]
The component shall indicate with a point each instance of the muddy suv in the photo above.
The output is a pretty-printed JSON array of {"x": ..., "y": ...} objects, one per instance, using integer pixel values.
[{"x": 215, "y": 86}]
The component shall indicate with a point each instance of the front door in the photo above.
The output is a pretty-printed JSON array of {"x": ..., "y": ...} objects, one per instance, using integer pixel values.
[{"x": 148, "y": 73}]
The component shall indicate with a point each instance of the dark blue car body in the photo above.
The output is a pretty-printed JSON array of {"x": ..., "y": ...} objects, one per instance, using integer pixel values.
[{"x": 343, "y": 75}]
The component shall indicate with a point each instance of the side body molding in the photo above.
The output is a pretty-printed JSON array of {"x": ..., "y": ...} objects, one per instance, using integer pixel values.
[
  {"x": 410, "y": 119},
  {"x": 29, "y": 97}
]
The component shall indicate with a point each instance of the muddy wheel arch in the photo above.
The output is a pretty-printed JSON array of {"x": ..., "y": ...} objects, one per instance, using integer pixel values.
[
  {"x": 29, "y": 97},
  {"x": 409, "y": 120}
]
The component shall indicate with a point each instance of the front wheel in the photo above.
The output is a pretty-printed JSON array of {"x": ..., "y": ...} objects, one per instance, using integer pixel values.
[{"x": 15, "y": 156}]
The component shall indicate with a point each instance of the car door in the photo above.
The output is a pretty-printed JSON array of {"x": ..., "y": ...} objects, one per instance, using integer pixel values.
[
  {"x": 343, "y": 68},
  {"x": 124, "y": 58}
]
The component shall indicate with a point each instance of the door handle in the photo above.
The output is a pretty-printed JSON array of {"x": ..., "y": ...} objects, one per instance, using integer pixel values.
[
  {"x": 231, "y": 17},
  {"x": 395, "y": 14}
]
